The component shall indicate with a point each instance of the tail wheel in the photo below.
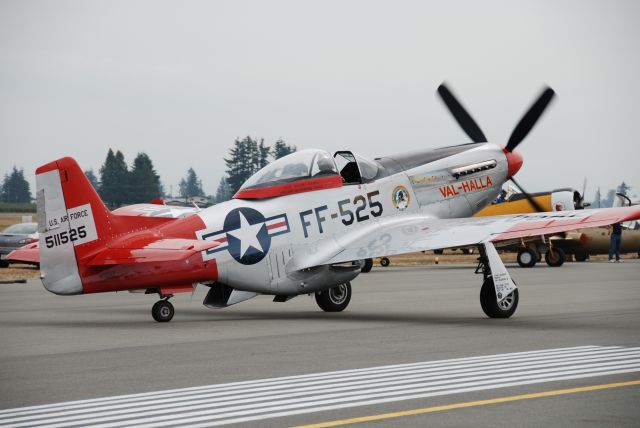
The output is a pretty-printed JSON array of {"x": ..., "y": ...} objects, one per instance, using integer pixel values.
[
  {"x": 335, "y": 299},
  {"x": 162, "y": 311},
  {"x": 527, "y": 258},
  {"x": 554, "y": 257},
  {"x": 490, "y": 305},
  {"x": 384, "y": 261},
  {"x": 366, "y": 267}
]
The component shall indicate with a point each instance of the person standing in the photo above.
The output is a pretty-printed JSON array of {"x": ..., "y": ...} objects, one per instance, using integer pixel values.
[{"x": 616, "y": 242}]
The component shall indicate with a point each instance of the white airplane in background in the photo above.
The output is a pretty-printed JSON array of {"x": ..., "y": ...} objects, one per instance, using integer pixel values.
[{"x": 297, "y": 225}]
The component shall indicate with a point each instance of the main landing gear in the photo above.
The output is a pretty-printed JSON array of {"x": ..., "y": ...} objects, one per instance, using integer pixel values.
[
  {"x": 335, "y": 299},
  {"x": 495, "y": 305},
  {"x": 162, "y": 310}
]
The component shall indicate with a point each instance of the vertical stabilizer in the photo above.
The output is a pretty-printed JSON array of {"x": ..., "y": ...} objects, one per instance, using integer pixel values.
[{"x": 72, "y": 221}]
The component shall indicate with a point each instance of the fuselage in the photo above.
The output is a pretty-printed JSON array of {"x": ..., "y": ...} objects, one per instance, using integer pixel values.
[{"x": 259, "y": 237}]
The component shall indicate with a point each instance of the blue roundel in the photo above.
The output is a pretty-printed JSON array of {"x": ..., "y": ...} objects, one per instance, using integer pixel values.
[{"x": 247, "y": 235}]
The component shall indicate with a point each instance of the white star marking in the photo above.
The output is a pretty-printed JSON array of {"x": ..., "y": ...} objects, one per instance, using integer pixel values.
[{"x": 248, "y": 235}]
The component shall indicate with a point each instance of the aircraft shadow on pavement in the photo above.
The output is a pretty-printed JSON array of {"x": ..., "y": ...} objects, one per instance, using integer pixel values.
[{"x": 132, "y": 318}]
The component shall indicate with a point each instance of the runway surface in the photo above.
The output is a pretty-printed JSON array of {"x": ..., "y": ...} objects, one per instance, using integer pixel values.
[{"x": 413, "y": 346}]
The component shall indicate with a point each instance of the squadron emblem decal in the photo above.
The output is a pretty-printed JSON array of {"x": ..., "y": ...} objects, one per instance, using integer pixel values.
[
  {"x": 400, "y": 198},
  {"x": 246, "y": 234}
]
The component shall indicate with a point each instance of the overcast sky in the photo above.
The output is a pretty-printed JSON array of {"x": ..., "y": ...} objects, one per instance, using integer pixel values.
[{"x": 181, "y": 80}]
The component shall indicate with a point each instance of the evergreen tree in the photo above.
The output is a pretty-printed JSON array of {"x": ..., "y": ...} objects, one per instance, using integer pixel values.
[
  {"x": 191, "y": 185},
  {"x": 114, "y": 177},
  {"x": 240, "y": 163},
  {"x": 608, "y": 202},
  {"x": 143, "y": 180},
  {"x": 623, "y": 188},
  {"x": 281, "y": 149},
  {"x": 224, "y": 191},
  {"x": 597, "y": 203},
  {"x": 91, "y": 176},
  {"x": 246, "y": 158},
  {"x": 3, "y": 186},
  {"x": 15, "y": 189}
]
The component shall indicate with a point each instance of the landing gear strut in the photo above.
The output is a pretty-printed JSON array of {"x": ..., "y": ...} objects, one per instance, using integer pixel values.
[
  {"x": 488, "y": 299},
  {"x": 162, "y": 310}
]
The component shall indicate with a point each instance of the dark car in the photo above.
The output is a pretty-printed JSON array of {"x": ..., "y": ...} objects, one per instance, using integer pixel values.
[{"x": 16, "y": 236}]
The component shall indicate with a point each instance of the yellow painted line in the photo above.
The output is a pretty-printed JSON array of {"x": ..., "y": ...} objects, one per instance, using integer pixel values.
[{"x": 469, "y": 404}]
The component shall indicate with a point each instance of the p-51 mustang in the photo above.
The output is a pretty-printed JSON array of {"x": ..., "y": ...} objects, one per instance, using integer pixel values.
[{"x": 297, "y": 226}]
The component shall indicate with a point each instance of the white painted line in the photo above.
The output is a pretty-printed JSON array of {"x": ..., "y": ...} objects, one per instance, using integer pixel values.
[
  {"x": 326, "y": 375},
  {"x": 268, "y": 398},
  {"x": 155, "y": 407}
]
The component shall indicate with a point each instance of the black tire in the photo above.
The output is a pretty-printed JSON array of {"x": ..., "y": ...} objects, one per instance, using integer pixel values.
[
  {"x": 335, "y": 299},
  {"x": 490, "y": 305},
  {"x": 438, "y": 252},
  {"x": 162, "y": 311},
  {"x": 384, "y": 261},
  {"x": 4, "y": 264},
  {"x": 468, "y": 251},
  {"x": 366, "y": 267},
  {"x": 555, "y": 257},
  {"x": 581, "y": 256},
  {"x": 527, "y": 258}
]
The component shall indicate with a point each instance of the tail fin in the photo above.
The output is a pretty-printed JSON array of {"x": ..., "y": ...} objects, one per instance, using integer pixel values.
[{"x": 70, "y": 213}]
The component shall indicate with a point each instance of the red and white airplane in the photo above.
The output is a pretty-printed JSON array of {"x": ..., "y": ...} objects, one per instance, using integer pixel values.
[{"x": 297, "y": 226}]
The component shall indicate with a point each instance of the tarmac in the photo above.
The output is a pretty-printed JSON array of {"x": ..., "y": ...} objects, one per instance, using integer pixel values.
[{"x": 412, "y": 339}]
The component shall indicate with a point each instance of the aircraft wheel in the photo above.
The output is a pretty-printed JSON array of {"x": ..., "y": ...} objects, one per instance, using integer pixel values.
[
  {"x": 580, "y": 256},
  {"x": 162, "y": 311},
  {"x": 490, "y": 305},
  {"x": 384, "y": 261},
  {"x": 468, "y": 251},
  {"x": 438, "y": 251},
  {"x": 527, "y": 258},
  {"x": 366, "y": 267},
  {"x": 335, "y": 299},
  {"x": 556, "y": 259},
  {"x": 3, "y": 264}
]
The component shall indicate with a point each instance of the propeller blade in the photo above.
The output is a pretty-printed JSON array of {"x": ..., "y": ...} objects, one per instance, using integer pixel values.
[
  {"x": 529, "y": 119},
  {"x": 463, "y": 118},
  {"x": 530, "y": 198}
]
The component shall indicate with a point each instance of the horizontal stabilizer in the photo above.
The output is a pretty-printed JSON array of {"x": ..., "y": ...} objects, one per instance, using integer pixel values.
[
  {"x": 162, "y": 250},
  {"x": 28, "y": 254}
]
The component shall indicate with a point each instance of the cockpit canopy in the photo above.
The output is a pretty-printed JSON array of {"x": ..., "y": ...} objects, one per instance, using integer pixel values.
[{"x": 302, "y": 171}]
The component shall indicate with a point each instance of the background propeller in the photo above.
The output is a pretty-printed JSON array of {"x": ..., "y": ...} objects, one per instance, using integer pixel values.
[{"x": 520, "y": 132}]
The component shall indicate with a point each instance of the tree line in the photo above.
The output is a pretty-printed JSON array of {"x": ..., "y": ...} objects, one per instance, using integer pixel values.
[
  {"x": 119, "y": 184},
  {"x": 246, "y": 157}
]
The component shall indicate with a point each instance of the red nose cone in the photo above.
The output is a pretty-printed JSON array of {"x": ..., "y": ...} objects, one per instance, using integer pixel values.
[{"x": 514, "y": 160}]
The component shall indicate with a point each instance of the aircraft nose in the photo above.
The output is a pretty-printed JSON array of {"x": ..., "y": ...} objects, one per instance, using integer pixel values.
[{"x": 514, "y": 160}]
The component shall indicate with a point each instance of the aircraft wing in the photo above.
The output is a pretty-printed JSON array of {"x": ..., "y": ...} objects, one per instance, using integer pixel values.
[{"x": 402, "y": 234}]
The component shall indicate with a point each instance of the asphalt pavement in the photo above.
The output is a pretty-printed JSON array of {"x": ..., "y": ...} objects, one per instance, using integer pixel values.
[{"x": 577, "y": 330}]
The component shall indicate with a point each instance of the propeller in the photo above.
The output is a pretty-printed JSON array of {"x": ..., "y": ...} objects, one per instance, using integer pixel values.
[
  {"x": 459, "y": 113},
  {"x": 520, "y": 132},
  {"x": 529, "y": 119},
  {"x": 530, "y": 198}
]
